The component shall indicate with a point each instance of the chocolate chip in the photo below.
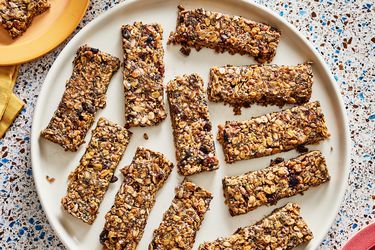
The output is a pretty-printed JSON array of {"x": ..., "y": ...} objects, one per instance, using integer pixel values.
[
  {"x": 114, "y": 179},
  {"x": 95, "y": 51},
  {"x": 277, "y": 160},
  {"x": 88, "y": 107},
  {"x": 302, "y": 149}
]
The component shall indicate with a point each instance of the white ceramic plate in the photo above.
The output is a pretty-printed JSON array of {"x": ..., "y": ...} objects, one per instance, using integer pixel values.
[{"x": 319, "y": 205}]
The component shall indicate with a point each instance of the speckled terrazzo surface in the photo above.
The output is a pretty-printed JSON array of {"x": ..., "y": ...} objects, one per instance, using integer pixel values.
[{"x": 341, "y": 32}]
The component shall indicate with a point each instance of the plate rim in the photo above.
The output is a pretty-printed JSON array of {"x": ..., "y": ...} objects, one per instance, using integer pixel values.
[
  {"x": 257, "y": 7},
  {"x": 58, "y": 35}
]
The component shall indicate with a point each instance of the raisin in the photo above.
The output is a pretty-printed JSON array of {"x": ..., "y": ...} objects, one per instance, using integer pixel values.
[
  {"x": 204, "y": 149},
  {"x": 293, "y": 181},
  {"x": 125, "y": 34},
  {"x": 103, "y": 236},
  {"x": 225, "y": 137},
  {"x": 149, "y": 39},
  {"x": 207, "y": 126}
]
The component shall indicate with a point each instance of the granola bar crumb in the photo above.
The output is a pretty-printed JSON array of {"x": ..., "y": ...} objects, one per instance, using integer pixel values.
[
  {"x": 145, "y": 136},
  {"x": 50, "y": 179},
  {"x": 185, "y": 50}
]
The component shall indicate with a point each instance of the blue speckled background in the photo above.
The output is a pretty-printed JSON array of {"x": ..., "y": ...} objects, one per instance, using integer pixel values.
[{"x": 341, "y": 31}]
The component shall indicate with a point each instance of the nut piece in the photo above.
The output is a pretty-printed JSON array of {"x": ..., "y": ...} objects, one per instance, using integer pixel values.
[
  {"x": 201, "y": 28},
  {"x": 280, "y": 180},
  {"x": 273, "y": 133},
  {"x": 193, "y": 139},
  {"x": 126, "y": 221},
  {"x": 16, "y": 15},
  {"x": 90, "y": 180},
  {"x": 85, "y": 94},
  {"x": 241, "y": 86},
  {"x": 143, "y": 74},
  {"x": 284, "y": 228},
  {"x": 183, "y": 219}
]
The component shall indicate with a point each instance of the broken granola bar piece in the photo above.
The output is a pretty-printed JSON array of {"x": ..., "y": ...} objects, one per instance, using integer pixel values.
[
  {"x": 16, "y": 15},
  {"x": 280, "y": 180},
  {"x": 273, "y": 133},
  {"x": 241, "y": 86},
  {"x": 283, "y": 229},
  {"x": 143, "y": 74},
  {"x": 85, "y": 94},
  {"x": 90, "y": 180},
  {"x": 126, "y": 221},
  {"x": 183, "y": 219},
  {"x": 201, "y": 28},
  {"x": 195, "y": 148}
]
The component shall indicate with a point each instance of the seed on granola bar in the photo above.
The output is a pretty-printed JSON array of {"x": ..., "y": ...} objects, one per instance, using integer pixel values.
[
  {"x": 273, "y": 133},
  {"x": 126, "y": 221},
  {"x": 89, "y": 182},
  {"x": 280, "y": 180},
  {"x": 183, "y": 219},
  {"x": 201, "y": 28},
  {"x": 241, "y": 86},
  {"x": 195, "y": 148},
  {"x": 85, "y": 94},
  {"x": 284, "y": 228},
  {"x": 17, "y": 15},
  {"x": 143, "y": 74}
]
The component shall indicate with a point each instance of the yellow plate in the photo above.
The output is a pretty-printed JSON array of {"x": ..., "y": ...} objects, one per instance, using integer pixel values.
[{"x": 46, "y": 32}]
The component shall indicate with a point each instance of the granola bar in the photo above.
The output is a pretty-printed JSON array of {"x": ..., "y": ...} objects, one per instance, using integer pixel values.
[
  {"x": 241, "y": 86},
  {"x": 143, "y": 74},
  {"x": 126, "y": 220},
  {"x": 90, "y": 180},
  {"x": 273, "y": 133},
  {"x": 195, "y": 148},
  {"x": 16, "y": 15},
  {"x": 183, "y": 218},
  {"x": 280, "y": 180},
  {"x": 283, "y": 229},
  {"x": 201, "y": 28},
  {"x": 84, "y": 95}
]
